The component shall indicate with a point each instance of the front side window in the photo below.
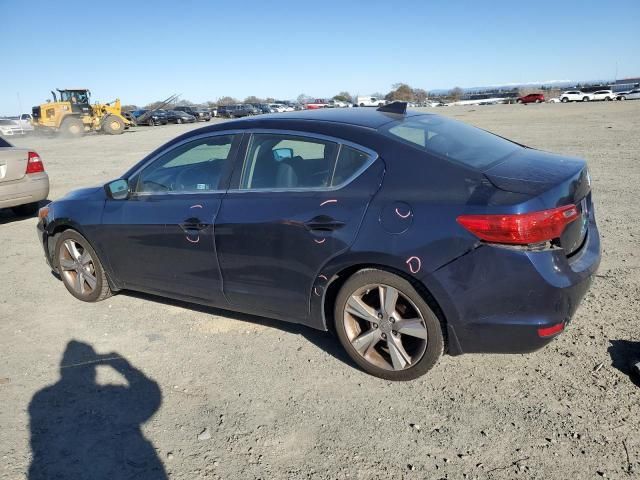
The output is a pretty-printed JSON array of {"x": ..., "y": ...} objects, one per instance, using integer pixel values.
[
  {"x": 196, "y": 166},
  {"x": 452, "y": 139}
]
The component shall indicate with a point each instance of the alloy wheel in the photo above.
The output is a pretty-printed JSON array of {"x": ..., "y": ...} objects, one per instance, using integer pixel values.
[
  {"x": 77, "y": 267},
  {"x": 385, "y": 327}
]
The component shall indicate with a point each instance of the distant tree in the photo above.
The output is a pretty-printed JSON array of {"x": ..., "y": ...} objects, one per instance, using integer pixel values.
[
  {"x": 211, "y": 104},
  {"x": 343, "y": 97},
  {"x": 153, "y": 105},
  {"x": 420, "y": 95},
  {"x": 184, "y": 103},
  {"x": 303, "y": 98},
  {"x": 379, "y": 95},
  {"x": 269, "y": 100},
  {"x": 456, "y": 93},
  {"x": 253, "y": 100},
  {"x": 401, "y": 92},
  {"x": 129, "y": 108},
  {"x": 226, "y": 101}
]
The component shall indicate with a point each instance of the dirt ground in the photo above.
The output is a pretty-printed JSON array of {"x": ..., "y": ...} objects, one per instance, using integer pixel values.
[{"x": 240, "y": 397}]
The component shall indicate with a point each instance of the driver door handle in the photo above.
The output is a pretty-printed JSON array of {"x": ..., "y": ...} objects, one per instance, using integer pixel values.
[{"x": 323, "y": 223}]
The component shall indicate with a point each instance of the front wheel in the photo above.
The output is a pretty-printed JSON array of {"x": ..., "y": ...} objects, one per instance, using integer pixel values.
[
  {"x": 179, "y": 121},
  {"x": 585, "y": 99},
  {"x": 386, "y": 326},
  {"x": 80, "y": 268},
  {"x": 113, "y": 125},
  {"x": 622, "y": 98},
  {"x": 565, "y": 99}
]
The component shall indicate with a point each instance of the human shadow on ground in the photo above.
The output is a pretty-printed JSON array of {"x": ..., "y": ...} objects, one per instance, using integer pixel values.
[
  {"x": 83, "y": 430},
  {"x": 321, "y": 339},
  {"x": 625, "y": 355}
]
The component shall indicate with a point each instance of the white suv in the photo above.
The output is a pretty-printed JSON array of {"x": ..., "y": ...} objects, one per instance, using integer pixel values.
[
  {"x": 606, "y": 95},
  {"x": 575, "y": 96}
]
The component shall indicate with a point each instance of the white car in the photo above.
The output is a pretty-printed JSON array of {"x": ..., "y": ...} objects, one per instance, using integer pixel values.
[
  {"x": 575, "y": 96},
  {"x": 554, "y": 100},
  {"x": 276, "y": 107},
  {"x": 23, "y": 181},
  {"x": 604, "y": 95},
  {"x": 338, "y": 104},
  {"x": 10, "y": 127},
  {"x": 632, "y": 95},
  {"x": 370, "y": 102},
  {"x": 24, "y": 121}
]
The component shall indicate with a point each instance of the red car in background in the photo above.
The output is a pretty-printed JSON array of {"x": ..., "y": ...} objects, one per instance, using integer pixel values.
[
  {"x": 532, "y": 98},
  {"x": 317, "y": 103}
]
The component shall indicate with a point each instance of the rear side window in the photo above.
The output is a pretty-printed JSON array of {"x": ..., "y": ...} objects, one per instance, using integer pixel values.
[
  {"x": 281, "y": 161},
  {"x": 350, "y": 161},
  {"x": 454, "y": 140}
]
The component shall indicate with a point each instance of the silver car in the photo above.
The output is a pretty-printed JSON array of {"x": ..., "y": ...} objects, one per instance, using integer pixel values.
[{"x": 23, "y": 181}]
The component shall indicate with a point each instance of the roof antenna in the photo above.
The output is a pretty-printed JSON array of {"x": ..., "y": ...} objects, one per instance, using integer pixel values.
[{"x": 394, "y": 107}]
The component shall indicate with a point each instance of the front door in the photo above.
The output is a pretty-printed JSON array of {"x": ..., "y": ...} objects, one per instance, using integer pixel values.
[
  {"x": 161, "y": 239},
  {"x": 298, "y": 202}
]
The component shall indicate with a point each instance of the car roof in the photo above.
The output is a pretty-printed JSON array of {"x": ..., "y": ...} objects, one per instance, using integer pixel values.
[{"x": 360, "y": 116}]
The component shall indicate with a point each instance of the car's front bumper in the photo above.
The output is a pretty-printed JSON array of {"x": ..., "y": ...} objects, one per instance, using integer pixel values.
[{"x": 495, "y": 299}]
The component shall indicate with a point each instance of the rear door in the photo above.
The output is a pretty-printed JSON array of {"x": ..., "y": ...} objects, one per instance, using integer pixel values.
[
  {"x": 161, "y": 239},
  {"x": 298, "y": 201}
]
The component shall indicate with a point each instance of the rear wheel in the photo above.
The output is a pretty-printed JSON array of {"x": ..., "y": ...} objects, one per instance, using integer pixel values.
[
  {"x": 151, "y": 123},
  {"x": 386, "y": 326},
  {"x": 26, "y": 210},
  {"x": 80, "y": 268},
  {"x": 518, "y": 101},
  {"x": 585, "y": 99},
  {"x": 72, "y": 127},
  {"x": 565, "y": 99},
  {"x": 538, "y": 100},
  {"x": 113, "y": 125},
  {"x": 179, "y": 120}
]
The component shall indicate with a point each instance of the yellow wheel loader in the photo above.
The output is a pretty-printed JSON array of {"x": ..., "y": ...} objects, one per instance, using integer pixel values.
[{"x": 71, "y": 114}]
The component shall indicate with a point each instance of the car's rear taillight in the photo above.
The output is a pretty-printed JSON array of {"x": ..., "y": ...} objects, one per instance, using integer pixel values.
[
  {"x": 551, "y": 331},
  {"x": 522, "y": 228},
  {"x": 34, "y": 164}
]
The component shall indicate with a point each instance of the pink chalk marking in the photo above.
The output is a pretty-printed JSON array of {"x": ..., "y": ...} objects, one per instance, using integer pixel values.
[
  {"x": 196, "y": 206},
  {"x": 401, "y": 215},
  {"x": 415, "y": 264},
  {"x": 323, "y": 277},
  {"x": 319, "y": 241},
  {"x": 193, "y": 241},
  {"x": 333, "y": 200}
]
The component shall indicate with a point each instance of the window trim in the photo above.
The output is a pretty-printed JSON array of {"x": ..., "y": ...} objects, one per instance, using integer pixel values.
[
  {"x": 175, "y": 146},
  {"x": 372, "y": 157}
]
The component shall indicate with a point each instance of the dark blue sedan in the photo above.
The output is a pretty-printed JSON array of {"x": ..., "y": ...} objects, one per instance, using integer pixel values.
[{"x": 407, "y": 234}]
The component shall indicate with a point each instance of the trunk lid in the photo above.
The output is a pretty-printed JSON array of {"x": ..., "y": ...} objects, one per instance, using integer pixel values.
[
  {"x": 556, "y": 180},
  {"x": 13, "y": 163}
]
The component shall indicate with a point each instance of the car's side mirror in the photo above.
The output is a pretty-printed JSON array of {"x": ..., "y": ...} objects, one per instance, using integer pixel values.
[
  {"x": 118, "y": 189},
  {"x": 282, "y": 153}
]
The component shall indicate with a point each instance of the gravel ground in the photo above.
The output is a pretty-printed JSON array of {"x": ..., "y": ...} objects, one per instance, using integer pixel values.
[{"x": 222, "y": 395}]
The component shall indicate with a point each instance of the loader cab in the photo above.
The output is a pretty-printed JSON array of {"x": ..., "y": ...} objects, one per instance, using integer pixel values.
[{"x": 79, "y": 100}]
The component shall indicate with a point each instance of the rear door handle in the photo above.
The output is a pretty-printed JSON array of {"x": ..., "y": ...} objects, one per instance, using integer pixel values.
[
  {"x": 191, "y": 225},
  {"x": 323, "y": 223}
]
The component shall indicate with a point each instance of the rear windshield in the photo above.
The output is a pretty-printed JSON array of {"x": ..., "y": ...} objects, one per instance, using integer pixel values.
[{"x": 451, "y": 139}]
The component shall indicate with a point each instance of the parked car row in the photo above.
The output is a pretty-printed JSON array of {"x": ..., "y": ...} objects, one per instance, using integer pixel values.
[{"x": 605, "y": 95}]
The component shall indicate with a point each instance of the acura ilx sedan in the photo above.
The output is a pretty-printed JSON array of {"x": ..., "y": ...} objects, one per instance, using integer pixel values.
[{"x": 406, "y": 234}]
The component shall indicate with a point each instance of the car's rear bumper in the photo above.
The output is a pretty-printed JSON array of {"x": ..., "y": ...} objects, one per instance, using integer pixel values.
[
  {"x": 495, "y": 299},
  {"x": 29, "y": 189}
]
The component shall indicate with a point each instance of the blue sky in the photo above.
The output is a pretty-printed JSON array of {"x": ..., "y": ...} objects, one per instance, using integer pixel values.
[{"x": 144, "y": 51}]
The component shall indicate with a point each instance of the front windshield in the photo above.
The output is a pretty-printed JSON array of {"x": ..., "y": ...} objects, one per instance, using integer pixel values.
[
  {"x": 452, "y": 139},
  {"x": 74, "y": 96}
]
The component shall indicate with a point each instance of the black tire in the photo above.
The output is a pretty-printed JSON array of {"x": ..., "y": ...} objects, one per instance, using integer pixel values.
[
  {"x": 564, "y": 100},
  {"x": 179, "y": 120},
  {"x": 112, "y": 125},
  {"x": 101, "y": 290},
  {"x": 362, "y": 104},
  {"x": 435, "y": 340},
  {"x": 518, "y": 101},
  {"x": 538, "y": 100},
  {"x": 622, "y": 98},
  {"x": 585, "y": 99},
  {"x": 72, "y": 127},
  {"x": 151, "y": 123},
  {"x": 26, "y": 210},
  {"x": 608, "y": 99}
]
